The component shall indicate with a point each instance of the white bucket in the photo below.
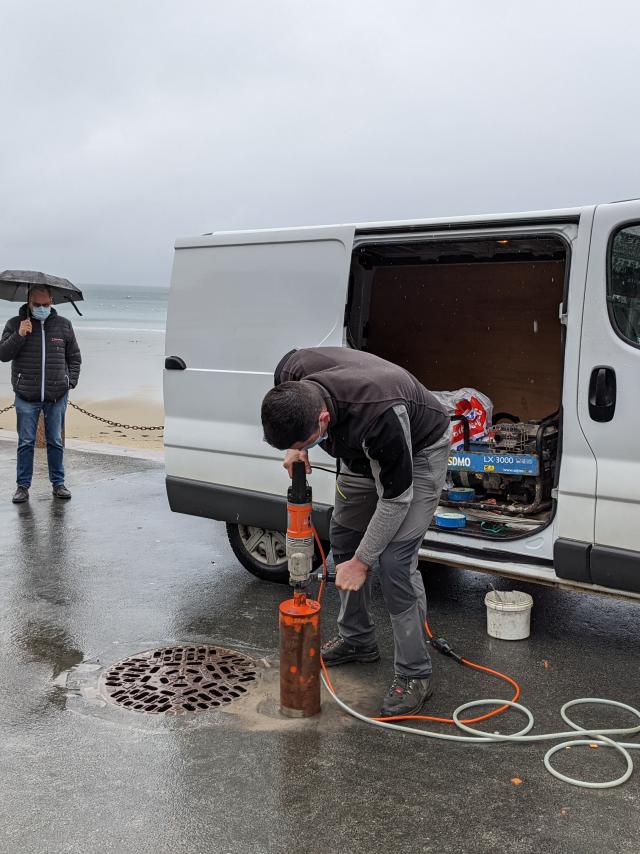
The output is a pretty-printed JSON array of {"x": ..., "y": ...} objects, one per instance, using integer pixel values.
[{"x": 508, "y": 614}]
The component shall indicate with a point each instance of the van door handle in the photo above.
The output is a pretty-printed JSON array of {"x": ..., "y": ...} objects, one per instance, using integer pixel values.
[
  {"x": 174, "y": 363},
  {"x": 602, "y": 393}
]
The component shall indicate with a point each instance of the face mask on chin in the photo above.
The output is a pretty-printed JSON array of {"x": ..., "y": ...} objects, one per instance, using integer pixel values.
[
  {"x": 320, "y": 439},
  {"x": 313, "y": 444}
]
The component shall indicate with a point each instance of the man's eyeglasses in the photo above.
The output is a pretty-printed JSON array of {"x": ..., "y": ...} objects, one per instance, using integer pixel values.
[{"x": 40, "y": 304}]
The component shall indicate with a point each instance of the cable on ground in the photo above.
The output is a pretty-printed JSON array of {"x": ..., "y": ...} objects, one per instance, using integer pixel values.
[{"x": 591, "y": 737}]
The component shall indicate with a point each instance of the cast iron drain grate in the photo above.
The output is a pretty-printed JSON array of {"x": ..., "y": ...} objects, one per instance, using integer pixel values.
[{"x": 179, "y": 679}]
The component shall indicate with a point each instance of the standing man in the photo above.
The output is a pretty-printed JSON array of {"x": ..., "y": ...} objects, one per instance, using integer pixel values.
[
  {"x": 45, "y": 363},
  {"x": 392, "y": 438}
]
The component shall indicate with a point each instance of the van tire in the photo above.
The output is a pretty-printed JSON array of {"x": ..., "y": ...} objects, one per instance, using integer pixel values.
[{"x": 266, "y": 559}]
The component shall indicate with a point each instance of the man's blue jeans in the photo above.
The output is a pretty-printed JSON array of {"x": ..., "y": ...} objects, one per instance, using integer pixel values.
[{"x": 28, "y": 414}]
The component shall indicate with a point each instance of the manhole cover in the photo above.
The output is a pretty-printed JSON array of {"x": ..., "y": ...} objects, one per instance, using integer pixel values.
[{"x": 179, "y": 679}]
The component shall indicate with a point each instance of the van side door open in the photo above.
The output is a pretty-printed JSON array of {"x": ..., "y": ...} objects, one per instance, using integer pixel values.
[{"x": 609, "y": 392}]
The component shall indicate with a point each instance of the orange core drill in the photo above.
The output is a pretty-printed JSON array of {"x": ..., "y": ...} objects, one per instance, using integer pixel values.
[{"x": 299, "y": 617}]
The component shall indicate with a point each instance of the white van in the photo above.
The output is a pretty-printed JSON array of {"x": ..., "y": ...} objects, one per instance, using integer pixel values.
[{"x": 538, "y": 311}]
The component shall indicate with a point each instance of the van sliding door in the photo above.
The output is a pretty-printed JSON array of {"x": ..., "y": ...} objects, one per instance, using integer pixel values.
[{"x": 238, "y": 303}]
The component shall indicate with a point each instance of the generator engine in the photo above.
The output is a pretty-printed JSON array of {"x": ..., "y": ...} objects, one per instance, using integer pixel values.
[{"x": 512, "y": 471}]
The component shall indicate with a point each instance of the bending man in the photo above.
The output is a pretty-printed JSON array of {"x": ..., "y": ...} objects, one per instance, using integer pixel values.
[{"x": 392, "y": 438}]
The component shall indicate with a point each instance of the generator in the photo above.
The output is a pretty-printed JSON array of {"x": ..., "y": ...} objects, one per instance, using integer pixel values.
[{"x": 511, "y": 471}]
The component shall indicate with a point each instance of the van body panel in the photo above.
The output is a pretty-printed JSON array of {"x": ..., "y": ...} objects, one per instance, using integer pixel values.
[
  {"x": 236, "y": 305},
  {"x": 615, "y": 442},
  {"x": 262, "y": 299}
]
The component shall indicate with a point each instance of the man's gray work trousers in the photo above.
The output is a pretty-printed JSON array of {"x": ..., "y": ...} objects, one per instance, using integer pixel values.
[{"x": 401, "y": 582}]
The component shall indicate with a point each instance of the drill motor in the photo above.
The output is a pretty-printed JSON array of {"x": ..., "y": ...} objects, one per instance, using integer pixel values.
[{"x": 300, "y": 546}]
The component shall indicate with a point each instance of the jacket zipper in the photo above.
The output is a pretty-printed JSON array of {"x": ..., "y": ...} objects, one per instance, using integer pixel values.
[{"x": 44, "y": 360}]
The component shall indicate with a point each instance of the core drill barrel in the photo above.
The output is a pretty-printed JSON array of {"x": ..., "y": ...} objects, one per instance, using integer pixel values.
[{"x": 300, "y": 657}]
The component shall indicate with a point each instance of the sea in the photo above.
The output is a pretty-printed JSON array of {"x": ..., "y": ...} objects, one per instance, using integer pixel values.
[{"x": 121, "y": 337}]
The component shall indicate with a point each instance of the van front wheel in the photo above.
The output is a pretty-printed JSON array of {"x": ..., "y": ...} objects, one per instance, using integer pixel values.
[{"x": 264, "y": 552}]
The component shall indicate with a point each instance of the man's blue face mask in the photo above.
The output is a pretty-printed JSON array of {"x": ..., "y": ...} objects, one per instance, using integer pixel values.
[
  {"x": 41, "y": 312},
  {"x": 313, "y": 444},
  {"x": 320, "y": 438}
]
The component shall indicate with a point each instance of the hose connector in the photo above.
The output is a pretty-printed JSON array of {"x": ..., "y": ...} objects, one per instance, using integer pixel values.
[{"x": 444, "y": 647}]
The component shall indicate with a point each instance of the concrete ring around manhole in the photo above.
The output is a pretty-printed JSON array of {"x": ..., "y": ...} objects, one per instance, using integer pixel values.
[{"x": 177, "y": 680}]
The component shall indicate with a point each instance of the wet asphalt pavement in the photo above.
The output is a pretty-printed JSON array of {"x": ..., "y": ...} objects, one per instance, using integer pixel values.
[{"x": 113, "y": 572}]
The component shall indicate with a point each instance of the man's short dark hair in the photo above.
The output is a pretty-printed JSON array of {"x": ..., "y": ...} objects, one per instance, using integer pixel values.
[
  {"x": 290, "y": 414},
  {"x": 43, "y": 288}
]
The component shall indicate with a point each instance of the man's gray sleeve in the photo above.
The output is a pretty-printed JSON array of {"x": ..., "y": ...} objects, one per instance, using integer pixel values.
[{"x": 388, "y": 447}]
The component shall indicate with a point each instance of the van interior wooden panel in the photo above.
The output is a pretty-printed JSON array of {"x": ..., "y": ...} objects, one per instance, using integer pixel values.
[{"x": 490, "y": 326}]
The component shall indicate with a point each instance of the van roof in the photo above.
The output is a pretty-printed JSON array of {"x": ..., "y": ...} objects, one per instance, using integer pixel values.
[{"x": 489, "y": 219}]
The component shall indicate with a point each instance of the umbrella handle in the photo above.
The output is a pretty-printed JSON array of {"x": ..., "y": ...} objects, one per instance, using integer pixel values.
[{"x": 76, "y": 307}]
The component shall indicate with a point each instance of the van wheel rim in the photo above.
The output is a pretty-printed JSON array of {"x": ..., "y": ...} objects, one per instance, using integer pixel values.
[{"x": 264, "y": 546}]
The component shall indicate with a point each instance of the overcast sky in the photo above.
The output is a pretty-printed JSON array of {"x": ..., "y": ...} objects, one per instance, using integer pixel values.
[{"x": 130, "y": 122}]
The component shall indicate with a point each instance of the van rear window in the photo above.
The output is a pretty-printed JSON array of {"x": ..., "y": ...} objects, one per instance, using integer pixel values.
[{"x": 623, "y": 287}]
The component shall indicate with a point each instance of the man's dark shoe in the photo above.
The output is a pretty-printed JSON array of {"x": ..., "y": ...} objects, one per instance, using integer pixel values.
[
  {"x": 61, "y": 491},
  {"x": 338, "y": 651},
  {"x": 21, "y": 495},
  {"x": 406, "y": 696}
]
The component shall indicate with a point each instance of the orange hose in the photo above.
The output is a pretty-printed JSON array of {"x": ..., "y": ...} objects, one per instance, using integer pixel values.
[
  {"x": 466, "y": 661},
  {"x": 324, "y": 562}
]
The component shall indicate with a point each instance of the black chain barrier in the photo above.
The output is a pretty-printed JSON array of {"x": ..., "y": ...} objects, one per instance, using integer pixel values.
[
  {"x": 97, "y": 418},
  {"x": 112, "y": 423}
]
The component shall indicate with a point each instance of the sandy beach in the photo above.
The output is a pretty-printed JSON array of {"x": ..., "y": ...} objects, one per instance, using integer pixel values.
[{"x": 124, "y": 410}]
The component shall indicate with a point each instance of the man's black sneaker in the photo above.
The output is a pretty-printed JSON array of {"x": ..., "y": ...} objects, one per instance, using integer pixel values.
[
  {"x": 20, "y": 495},
  {"x": 338, "y": 651},
  {"x": 61, "y": 491},
  {"x": 406, "y": 696}
]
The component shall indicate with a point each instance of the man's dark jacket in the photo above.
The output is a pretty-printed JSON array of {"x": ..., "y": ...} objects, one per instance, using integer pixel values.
[
  {"x": 380, "y": 413},
  {"x": 62, "y": 358}
]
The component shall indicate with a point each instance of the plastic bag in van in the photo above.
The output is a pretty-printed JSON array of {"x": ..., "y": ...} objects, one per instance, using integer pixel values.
[{"x": 476, "y": 407}]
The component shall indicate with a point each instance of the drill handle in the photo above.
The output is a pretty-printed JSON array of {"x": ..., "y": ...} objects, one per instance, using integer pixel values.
[{"x": 298, "y": 491}]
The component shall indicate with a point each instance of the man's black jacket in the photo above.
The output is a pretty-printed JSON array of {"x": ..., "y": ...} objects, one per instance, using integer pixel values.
[{"x": 44, "y": 364}]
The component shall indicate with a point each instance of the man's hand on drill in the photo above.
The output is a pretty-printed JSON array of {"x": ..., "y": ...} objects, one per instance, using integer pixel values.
[
  {"x": 351, "y": 574},
  {"x": 292, "y": 456}
]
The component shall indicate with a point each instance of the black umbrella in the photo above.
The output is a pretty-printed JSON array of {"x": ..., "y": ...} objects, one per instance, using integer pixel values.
[{"x": 16, "y": 284}]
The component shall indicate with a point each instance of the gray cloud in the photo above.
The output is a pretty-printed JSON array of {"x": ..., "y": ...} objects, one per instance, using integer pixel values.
[{"x": 130, "y": 123}]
